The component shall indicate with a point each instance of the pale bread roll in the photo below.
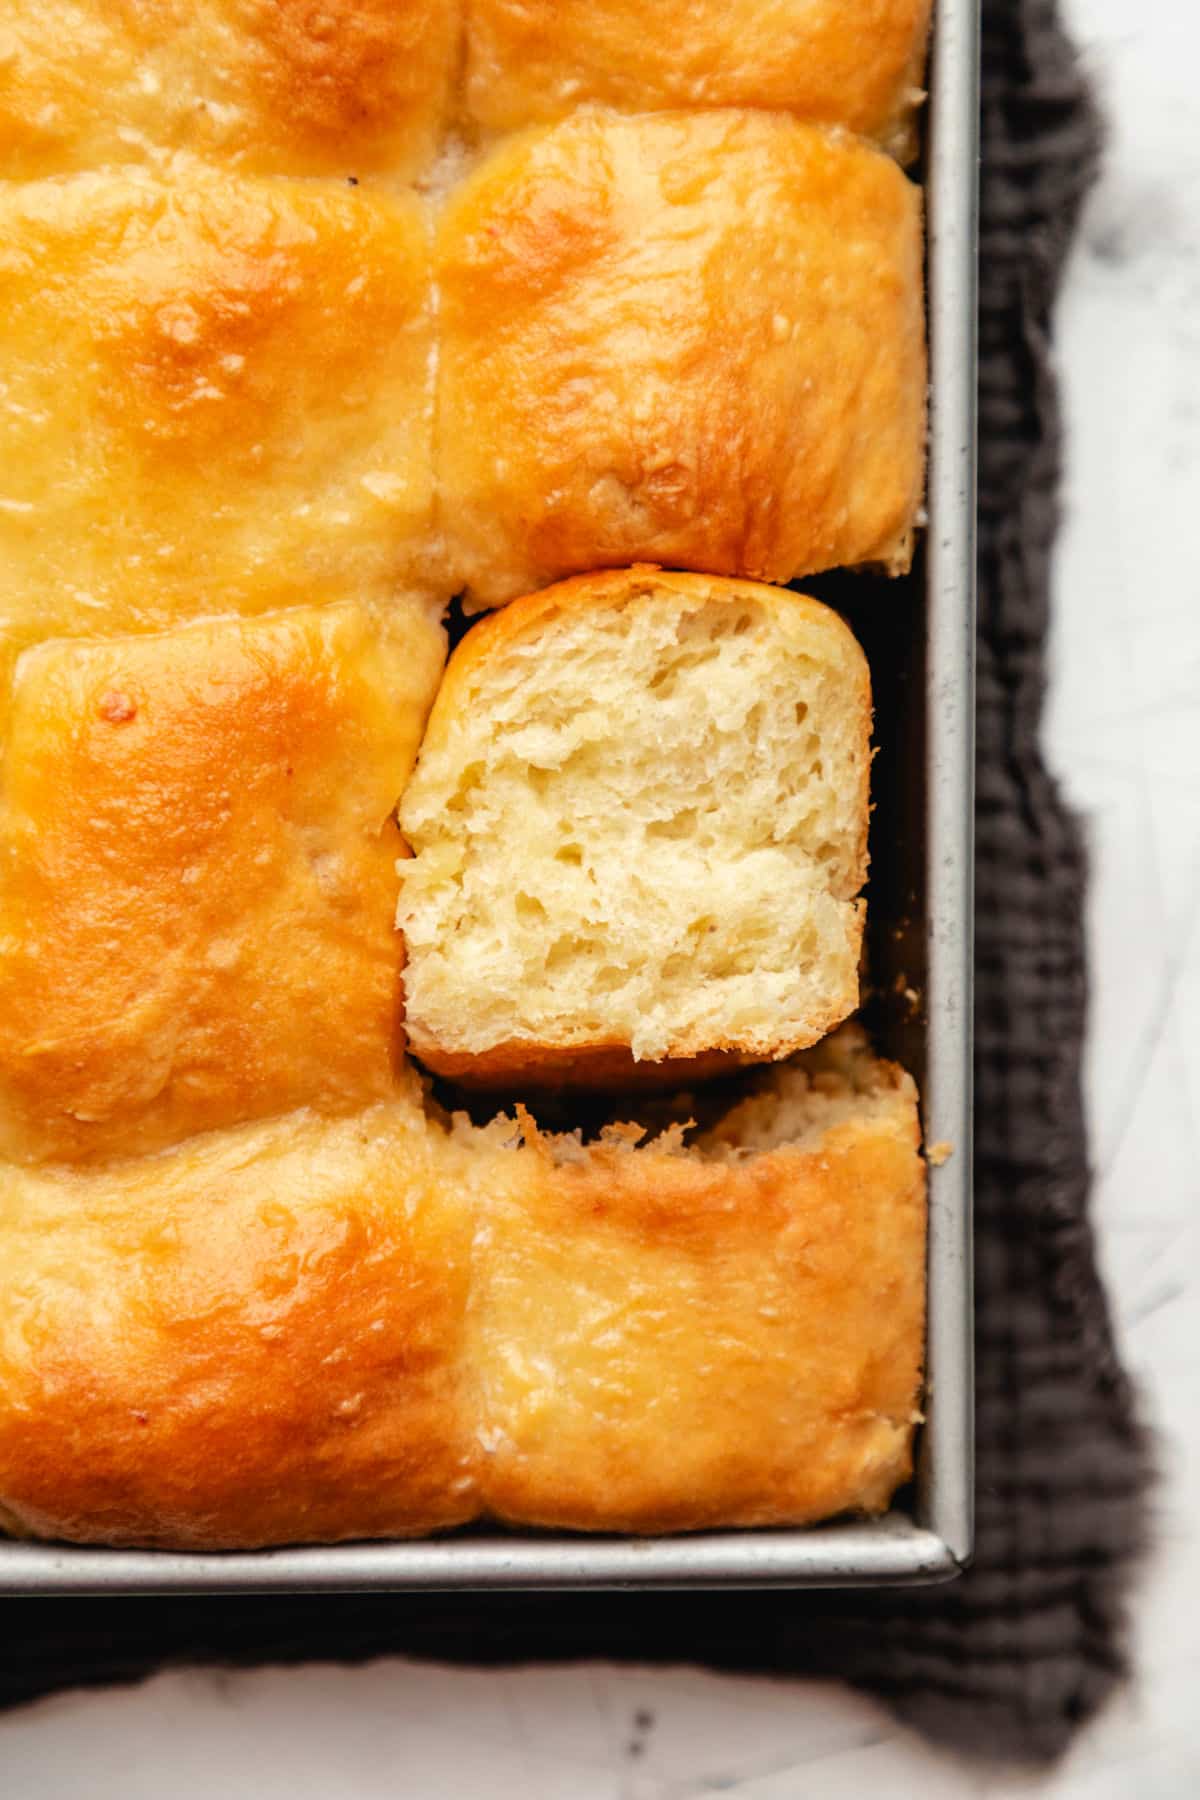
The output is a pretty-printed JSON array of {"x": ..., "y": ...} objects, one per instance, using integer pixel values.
[{"x": 639, "y": 820}]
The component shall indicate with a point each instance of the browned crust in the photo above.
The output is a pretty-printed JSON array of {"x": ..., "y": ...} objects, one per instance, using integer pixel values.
[
  {"x": 297, "y": 87},
  {"x": 288, "y": 1330},
  {"x": 252, "y": 359},
  {"x": 607, "y": 1067},
  {"x": 254, "y": 1339},
  {"x": 316, "y": 1330},
  {"x": 196, "y": 852},
  {"x": 852, "y": 62},
  {"x": 668, "y": 1345},
  {"x": 739, "y": 424},
  {"x": 538, "y": 1068}
]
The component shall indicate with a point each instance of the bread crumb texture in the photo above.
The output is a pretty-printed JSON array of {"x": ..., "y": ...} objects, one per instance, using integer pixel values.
[{"x": 639, "y": 818}]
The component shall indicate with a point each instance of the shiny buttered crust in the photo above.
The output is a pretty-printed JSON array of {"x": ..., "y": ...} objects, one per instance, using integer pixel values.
[
  {"x": 693, "y": 338},
  {"x": 319, "y": 1329},
  {"x": 373, "y": 87},
  {"x": 217, "y": 398},
  {"x": 256, "y": 1338},
  {"x": 298, "y": 87},
  {"x": 687, "y": 338},
  {"x": 664, "y": 1344},
  {"x": 856, "y": 63},
  {"x": 639, "y": 824},
  {"x": 197, "y": 846},
  {"x": 293, "y": 347}
]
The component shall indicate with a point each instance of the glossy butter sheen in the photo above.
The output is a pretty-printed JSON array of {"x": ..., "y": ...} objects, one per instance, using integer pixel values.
[
  {"x": 843, "y": 62},
  {"x": 300, "y": 87},
  {"x": 314, "y": 1329},
  {"x": 216, "y": 399},
  {"x": 255, "y": 1338},
  {"x": 196, "y": 891},
  {"x": 689, "y": 338},
  {"x": 372, "y": 87}
]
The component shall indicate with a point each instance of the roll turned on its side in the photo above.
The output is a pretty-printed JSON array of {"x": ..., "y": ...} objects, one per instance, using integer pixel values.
[{"x": 639, "y": 819}]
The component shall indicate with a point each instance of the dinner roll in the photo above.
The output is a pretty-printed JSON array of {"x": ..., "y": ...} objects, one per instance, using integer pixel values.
[
  {"x": 217, "y": 399},
  {"x": 196, "y": 893},
  {"x": 253, "y": 1338},
  {"x": 689, "y": 338},
  {"x": 639, "y": 821},
  {"x": 845, "y": 62},
  {"x": 312, "y": 1329},
  {"x": 304, "y": 87},
  {"x": 669, "y": 1342}
]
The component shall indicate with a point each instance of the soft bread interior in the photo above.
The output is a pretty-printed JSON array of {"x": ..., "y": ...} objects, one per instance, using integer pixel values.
[{"x": 639, "y": 818}]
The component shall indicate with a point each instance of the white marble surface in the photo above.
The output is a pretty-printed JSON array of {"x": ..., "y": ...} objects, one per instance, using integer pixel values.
[{"x": 1124, "y": 733}]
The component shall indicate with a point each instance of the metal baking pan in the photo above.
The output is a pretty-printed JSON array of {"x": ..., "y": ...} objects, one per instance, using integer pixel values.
[{"x": 919, "y": 635}]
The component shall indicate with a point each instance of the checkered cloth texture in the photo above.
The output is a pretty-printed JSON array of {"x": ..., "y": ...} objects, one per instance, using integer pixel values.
[{"x": 1006, "y": 1662}]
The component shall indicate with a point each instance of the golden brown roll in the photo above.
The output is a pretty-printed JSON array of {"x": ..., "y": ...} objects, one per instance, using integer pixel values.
[
  {"x": 856, "y": 63},
  {"x": 315, "y": 1329},
  {"x": 255, "y": 1338},
  {"x": 196, "y": 890},
  {"x": 301, "y": 87},
  {"x": 665, "y": 1343},
  {"x": 693, "y": 339},
  {"x": 217, "y": 399},
  {"x": 639, "y": 821}
]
